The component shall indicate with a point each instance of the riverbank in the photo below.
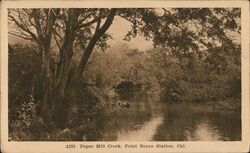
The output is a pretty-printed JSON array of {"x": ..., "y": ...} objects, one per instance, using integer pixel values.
[{"x": 96, "y": 116}]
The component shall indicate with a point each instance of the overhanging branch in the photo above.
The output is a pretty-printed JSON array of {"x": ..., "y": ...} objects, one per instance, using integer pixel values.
[{"x": 99, "y": 32}]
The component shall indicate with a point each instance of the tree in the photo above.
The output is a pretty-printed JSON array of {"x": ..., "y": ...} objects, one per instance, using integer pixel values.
[
  {"x": 37, "y": 25},
  {"x": 40, "y": 25},
  {"x": 207, "y": 32}
]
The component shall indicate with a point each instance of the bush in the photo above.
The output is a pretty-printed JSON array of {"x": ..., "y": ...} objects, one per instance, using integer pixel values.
[{"x": 24, "y": 77}]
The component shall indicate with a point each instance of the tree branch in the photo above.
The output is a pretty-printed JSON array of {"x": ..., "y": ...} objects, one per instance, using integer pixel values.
[
  {"x": 98, "y": 25},
  {"x": 57, "y": 42},
  {"x": 37, "y": 24},
  {"x": 94, "y": 40},
  {"x": 88, "y": 23},
  {"x": 22, "y": 27},
  {"x": 29, "y": 17},
  {"x": 190, "y": 34},
  {"x": 83, "y": 19},
  {"x": 20, "y": 36},
  {"x": 57, "y": 34}
]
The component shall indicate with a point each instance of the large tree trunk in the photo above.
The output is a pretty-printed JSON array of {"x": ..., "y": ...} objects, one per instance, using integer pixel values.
[
  {"x": 44, "y": 43},
  {"x": 61, "y": 80},
  {"x": 63, "y": 67},
  {"x": 66, "y": 51},
  {"x": 66, "y": 54},
  {"x": 59, "y": 106},
  {"x": 46, "y": 81}
]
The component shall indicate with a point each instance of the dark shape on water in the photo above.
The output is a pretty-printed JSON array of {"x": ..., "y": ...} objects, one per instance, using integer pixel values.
[{"x": 128, "y": 86}]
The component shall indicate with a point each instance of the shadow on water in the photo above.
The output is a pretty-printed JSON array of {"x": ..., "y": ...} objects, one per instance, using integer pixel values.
[{"x": 150, "y": 120}]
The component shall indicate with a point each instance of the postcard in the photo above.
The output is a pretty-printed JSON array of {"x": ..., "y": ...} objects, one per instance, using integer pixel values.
[{"x": 125, "y": 76}]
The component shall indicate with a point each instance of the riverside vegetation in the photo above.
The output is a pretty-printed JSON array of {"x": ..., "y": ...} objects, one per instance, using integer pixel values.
[{"x": 59, "y": 94}]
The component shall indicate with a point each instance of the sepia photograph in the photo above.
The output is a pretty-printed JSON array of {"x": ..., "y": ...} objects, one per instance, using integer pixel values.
[{"x": 125, "y": 74}]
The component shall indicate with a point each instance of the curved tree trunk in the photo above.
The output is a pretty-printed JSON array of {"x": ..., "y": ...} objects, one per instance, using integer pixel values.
[{"x": 97, "y": 35}]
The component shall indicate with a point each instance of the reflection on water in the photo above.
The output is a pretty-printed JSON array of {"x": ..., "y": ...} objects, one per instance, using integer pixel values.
[
  {"x": 143, "y": 132},
  {"x": 149, "y": 120},
  {"x": 203, "y": 132}
]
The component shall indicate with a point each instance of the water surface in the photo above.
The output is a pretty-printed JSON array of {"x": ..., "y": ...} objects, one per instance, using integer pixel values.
[{"x": 150, "y": 120}]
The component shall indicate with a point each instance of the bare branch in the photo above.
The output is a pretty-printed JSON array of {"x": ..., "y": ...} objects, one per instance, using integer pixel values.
[
  {"x": 37, "y": 25},
  {"x": 83, "y": 19},
  {"x": 52, "y": 15},
  {"x": 98, "y": 25},
  {"x": 20, "y": 36},
  {"x": 57, "y": 34},
  {"x": 22, "y": 27},
  {"x": 88, "y": 23},
  {"x": 28, "y": 15},
  {"x": 84, "y": 15}
]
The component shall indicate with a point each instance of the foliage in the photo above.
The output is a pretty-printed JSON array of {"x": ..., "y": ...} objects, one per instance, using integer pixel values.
[
  {"x": 24, "y": 76},
  {"x": 106, "y": 70},
  {"x": 27, "y": 113}
]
